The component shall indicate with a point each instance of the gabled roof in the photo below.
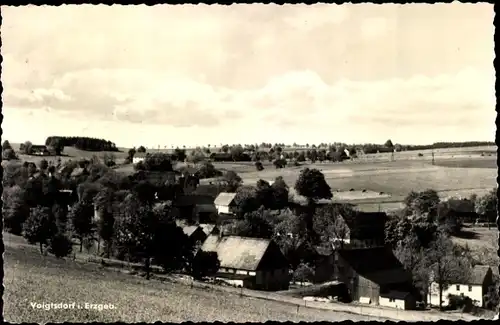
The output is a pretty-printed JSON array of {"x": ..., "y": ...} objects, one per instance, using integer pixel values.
[
  {"x": 376, "y": 264},
  {"x": 366, "y": 225},
  {"x": 236, "y": 252},
  {"x": 224, "y": 198},
  {"x": 192, "y": 200},
  {"x": 78, "y": 171},
  {"x": 478, "y": 274},
  {"x": 207, "y": 228},
  {"x": 464, "y": 206},
  {"x": 400, "y": 295}
]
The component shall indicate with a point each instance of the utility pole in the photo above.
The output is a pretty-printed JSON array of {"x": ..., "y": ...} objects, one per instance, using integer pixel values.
[{"x": 433, "y": 156}]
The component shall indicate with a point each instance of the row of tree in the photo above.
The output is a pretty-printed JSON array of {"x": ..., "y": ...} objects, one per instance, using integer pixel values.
[{"x": 82, "y": 143}]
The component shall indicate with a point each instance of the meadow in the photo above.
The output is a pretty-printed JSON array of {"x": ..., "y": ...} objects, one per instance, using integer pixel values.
[{"x": 33, "y": 278}]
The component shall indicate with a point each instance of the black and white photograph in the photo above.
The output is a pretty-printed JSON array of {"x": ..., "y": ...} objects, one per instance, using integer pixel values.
[{"x": 249, "y": 163}]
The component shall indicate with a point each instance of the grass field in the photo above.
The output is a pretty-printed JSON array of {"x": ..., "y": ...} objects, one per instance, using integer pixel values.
[{"x": 32, "y": 278}]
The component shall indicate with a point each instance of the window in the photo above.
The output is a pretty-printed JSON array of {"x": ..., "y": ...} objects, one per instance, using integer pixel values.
[
  {"x": 392, "y": 300},
  {"x": 470, "y": 288},
  {"x": 458, "y": 287}
]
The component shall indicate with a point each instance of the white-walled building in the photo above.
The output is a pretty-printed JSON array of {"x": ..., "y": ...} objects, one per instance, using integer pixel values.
[
  {"x": 224, "y": 203},
  {"x": 480, "y": 280}
]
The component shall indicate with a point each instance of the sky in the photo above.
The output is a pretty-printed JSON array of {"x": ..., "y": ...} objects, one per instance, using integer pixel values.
[{"x": 197, "y": 74}]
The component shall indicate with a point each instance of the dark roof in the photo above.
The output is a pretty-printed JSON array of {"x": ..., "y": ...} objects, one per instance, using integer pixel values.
[
  {"x": 242, "y": 253},
  {"x": 400, "y": 295},
  {"x": 478, "y": 274},
  {"x": 376, "y": 264},
  {"x": 465, "y": 206},
  {"x": 38, "y": 146},
  {"x": 192, "y": 200},
  {"x": 366, "y": 225}
]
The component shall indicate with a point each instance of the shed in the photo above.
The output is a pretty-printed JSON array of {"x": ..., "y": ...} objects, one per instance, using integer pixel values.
[
  {"x": 224, "y": 203},
  {"x": 260, "y": 261},
  {"x": 398, "y": 299}
]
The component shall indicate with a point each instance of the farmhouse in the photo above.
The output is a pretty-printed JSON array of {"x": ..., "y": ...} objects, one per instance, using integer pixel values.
[
  {"x": 139, "y": 156},
  {"x": 374, "y": 273},
  {"x": 39, "y": 150},
  {"x": 195, "y": 208},
  {"x": 464, "y": 210},
  {"x": 225, "y": 203},
  {"x": 194, "y": 232},
  {"x": 249, "y": 262},
  {"x": 477, "y": 286}
]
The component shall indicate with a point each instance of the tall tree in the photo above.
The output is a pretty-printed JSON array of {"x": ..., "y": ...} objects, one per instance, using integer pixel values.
[
  {"x": 388, "y": 144},
  {"x": 422, "y": 203},
  {"x": 40, "y": 227},
  {"x": 6, "y": 145},
  {"x": 254, "y": 224},
  {"x": 487, "y": 206},
  {"x": 81, "y": 217},
  {"x": 445, "y": 266},
  {"x": 233, "y": 181},
  {"x": 312, "y": 185}
]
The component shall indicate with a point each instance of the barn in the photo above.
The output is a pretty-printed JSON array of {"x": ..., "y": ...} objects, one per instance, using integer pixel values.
[{"x": 253, "y": 263}]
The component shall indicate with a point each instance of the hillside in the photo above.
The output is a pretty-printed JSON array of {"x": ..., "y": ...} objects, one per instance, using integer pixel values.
[{"x": 135, "y": 299}]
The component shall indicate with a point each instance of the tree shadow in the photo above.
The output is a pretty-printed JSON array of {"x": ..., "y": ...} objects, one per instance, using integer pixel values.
[{"x": 467, "y": 234}]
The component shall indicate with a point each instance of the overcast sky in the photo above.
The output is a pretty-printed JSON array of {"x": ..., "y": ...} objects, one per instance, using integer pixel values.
[{"x": 196, "y": 74}]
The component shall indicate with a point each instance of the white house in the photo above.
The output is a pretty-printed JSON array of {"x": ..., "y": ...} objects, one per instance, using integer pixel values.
[
  {"x": 397, "y": 299},
  {"x": 224, "y": 203},
  {"x": 140, "y": 156},
  {"x": 477, "y": 286}
]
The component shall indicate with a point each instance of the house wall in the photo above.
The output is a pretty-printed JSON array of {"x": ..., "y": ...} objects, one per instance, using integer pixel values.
[
  {"x": 475, "y": 293},
  {"x": 135, "y": 160},
  {"x": 367, "y": 288},
  {"x": 277, "y": 279},
  {"x": 223, "y": 209},
  {"x": 393, "y": 303}
]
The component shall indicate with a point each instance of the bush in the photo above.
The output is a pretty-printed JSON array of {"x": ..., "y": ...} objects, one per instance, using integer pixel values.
[
  {"x": 60, "y": 245},
  {"x": 141, "y": 149},
  {"x": 9, "y": 154},
  {"x": 420, "y": 155},
  {"x": 259, "y": 166}
]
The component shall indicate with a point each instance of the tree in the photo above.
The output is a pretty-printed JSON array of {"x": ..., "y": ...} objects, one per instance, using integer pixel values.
[
  {"x": 105, "y": 222},
  {"x": 312, "y": 185},
  {"x": 141, "y": 149},
  {"x": 6, "y": 145},
  {"x": 303, "y": 273},
  {"x": 422, "y": 203},
  {"x": 81, "y": 217},
  {"x": 131, "y": 154},
  {"x": 259, "y": 166},
  {"x": 444, "y": 265},
  {"x": 180, "y": 154},
  {"x": 27, "y": 146},
  {"x": 147, "y": 233},
  {"x": 233, "y": 181},
  {"x": 158, "y": 162},
  {"x": 15, "y": 209},
  {"x": 254, "y": 224},
  {"x": 329, "y": 224},
  {"x": 60, "y": 245},
  {"x": 109, "y": 159},
  {"x": 9, "y": 154},
  {"x": 207, "y": 170},
  {"x": 40, "y": 227},
  {"x": 487, "y": 206},
  {"x": 204, "y": 264},
  {"x": 43, "y": 165},
  {"x": 280, "y": 193},
  {"x": 411, "y": 254},
  {"x": 246, "y": 200},
  {"x": 388, "y": 144}
]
